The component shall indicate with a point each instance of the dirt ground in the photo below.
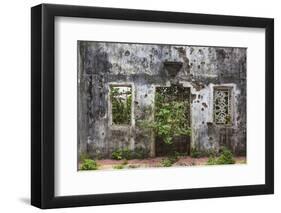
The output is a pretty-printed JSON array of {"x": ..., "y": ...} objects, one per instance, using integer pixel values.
[{"x": 109, "y": 164}]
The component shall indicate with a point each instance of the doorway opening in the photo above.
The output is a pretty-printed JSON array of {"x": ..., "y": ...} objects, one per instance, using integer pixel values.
[{"x": 172, "y": 114}]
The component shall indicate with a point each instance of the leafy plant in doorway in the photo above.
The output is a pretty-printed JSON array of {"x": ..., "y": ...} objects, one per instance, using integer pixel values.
[{"x": 170, "y": 119}]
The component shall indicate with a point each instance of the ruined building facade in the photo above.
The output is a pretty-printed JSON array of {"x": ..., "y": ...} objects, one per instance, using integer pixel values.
[{"x": 213, "y": 79}]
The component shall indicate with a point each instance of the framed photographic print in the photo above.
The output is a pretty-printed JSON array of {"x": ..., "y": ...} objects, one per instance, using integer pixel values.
[{"x": 139, "y": 106}]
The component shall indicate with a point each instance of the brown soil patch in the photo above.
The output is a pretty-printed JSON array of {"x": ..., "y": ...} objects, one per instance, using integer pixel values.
[{"x": 109, "y": 164}]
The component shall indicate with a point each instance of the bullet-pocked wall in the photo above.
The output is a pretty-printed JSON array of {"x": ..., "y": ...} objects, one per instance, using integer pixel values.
[{"x": 215, "y": 76}]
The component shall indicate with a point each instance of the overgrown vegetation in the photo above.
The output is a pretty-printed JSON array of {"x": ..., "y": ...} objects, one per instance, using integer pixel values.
[
  {"x": 89, "y": 164},
  {"x": 170, "y": 118},
  {"x": 140, "y": 153},
  {"x": 169, "y": 161},
  {"x": 118, "y": 166},
  {"x": 195, "y": 153},
  {"x": 166, "y": 162},
  {"x": 226, "y": 157},
  {"x": 120, "y": 154},
  {"x": 121, "y": 166},
  {"x": 121, "y": 102},
  {"x": 127, "y": 154}
]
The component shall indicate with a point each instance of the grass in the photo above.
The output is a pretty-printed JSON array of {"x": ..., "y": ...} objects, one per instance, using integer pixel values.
[{"x": 118, "y": 166}]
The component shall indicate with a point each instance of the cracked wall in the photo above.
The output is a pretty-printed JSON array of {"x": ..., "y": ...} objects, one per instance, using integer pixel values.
[{"x": 145, "y": 66}]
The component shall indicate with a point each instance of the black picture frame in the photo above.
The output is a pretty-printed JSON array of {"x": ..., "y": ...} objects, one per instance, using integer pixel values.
[{"x": 43, "y": 102}]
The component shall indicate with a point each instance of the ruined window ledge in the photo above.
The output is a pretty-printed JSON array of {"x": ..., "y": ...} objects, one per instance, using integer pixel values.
[
  {"x": 225, "y": 125},
  {"x": 121, "y": 126}
]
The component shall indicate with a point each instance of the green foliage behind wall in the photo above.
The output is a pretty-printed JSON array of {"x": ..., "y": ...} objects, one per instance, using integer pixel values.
[
  {"x": 171, "y": 116},
  {"x": 121, "y": 102}
]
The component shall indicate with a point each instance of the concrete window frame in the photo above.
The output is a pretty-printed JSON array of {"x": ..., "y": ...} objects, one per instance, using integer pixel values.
[
  {"x": 132, "y": 121},
  {"x": 231, "y": 103}
]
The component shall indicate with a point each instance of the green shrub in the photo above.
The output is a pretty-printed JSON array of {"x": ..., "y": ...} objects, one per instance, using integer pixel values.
[
  {"x": 194, "y": 153},
  {"x": 211, "y": 153},
  {"x": 117, "y": 154},
  {"x": 174, "y": 158},
  {"x": 120, "y": 154},
  {"x": 89, "y": 164},
  {"x": 126, "y": 154},
  {"x": 119, "y": 166},
  {"x": 212, "y": 161},
  {"x": 226, "y": 157},
  {"x": 170, "y": 118},
  {"x": 167, "y": 162},
  {"x": 140, "y": 153}
]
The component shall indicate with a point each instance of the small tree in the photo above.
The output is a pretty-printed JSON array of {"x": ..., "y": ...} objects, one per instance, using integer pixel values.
[{"x": 170, "y": 119}]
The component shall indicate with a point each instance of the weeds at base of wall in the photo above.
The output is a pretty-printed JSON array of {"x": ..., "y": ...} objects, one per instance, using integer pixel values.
[
  {"x": 119, "y": 166},
  {"x": 89, "y": 164},
  {"x": 195, "y": 153},
  {"x": 226, "y": 157},
  {"x": 127, "y": 154},
  {"x": 169, "y": 161}
]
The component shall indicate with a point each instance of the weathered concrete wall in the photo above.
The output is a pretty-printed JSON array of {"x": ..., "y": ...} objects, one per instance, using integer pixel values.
[{"x": 142, "y": 66}]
